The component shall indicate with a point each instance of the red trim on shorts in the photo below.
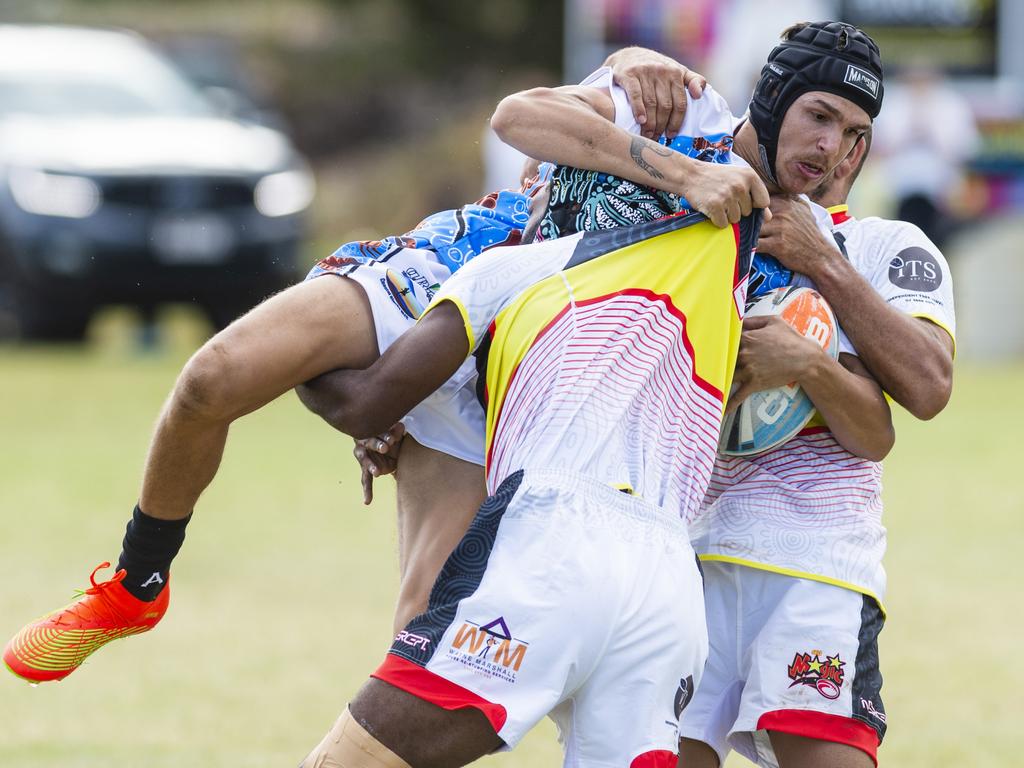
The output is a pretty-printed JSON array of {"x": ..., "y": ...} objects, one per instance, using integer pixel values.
[
  {"x": 659, "y": 758},
  {"x": 429, "y": 686},
  {"x": 823, "y": 726}
]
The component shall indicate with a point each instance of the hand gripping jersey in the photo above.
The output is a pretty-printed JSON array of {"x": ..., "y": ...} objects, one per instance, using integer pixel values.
[
  {"x": 583, "y": 200},
  {"x": 810, "y": 508},
  {"x": 607, "y": 353}
]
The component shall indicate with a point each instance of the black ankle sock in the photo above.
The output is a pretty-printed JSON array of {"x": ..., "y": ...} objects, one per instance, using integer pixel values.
[{"x": 147, "y": 550}]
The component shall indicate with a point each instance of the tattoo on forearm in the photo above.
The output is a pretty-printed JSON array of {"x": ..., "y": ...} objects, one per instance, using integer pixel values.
[{"x": 637, "y": 145}]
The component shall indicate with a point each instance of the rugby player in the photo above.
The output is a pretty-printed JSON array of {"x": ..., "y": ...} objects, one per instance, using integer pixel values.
[
  {"x": 366, "y": 711},
  {"x": 791, "y": 540},
  {"x": 609, "y": 175},
  {"x": 575, "y": 592},
  {"x": 313, "y": 327}
]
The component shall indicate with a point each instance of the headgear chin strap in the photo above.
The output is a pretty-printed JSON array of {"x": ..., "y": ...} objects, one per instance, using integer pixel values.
[{"x": 822, "y": 56}]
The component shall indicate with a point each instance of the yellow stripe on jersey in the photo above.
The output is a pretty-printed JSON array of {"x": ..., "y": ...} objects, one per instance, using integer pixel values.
[
  {"x": 692, "y": 269},
  {"x": 793, "y": 573},
  {"x": 941, "y": 325},
  {"x": 462, "y": 311}
]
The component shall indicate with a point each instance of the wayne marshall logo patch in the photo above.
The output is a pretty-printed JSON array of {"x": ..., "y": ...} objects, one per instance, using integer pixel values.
[
  {"x": 825, "y": 676},
  {"x": 489, "y": 649}
]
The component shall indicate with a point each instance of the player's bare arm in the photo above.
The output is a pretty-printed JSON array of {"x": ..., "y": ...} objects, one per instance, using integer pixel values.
[
  {"x": 772, "y": 354},
  {"x": 572, "y": 125},
  {"x": 920, "y": 376},
  {"x": 368, "y": 402},
  {"x": 657, "y": 86}
]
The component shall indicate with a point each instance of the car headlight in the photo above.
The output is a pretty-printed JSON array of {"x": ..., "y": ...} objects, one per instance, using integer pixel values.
[
  {"x": 280, "y": 194},
  {"x": 54, "y": 194}
]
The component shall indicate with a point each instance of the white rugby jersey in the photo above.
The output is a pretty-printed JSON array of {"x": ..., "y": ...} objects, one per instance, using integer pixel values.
[
  {"x": 901, "y": 263},
  {"x": 810, "y": 508},
  {"x": 607, "y": 353}
]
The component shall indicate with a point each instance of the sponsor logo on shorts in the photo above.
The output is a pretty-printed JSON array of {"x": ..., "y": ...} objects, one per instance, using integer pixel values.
[
  {"x": 862, "y": 80},
  {"x": 410, "y": 638},
  {"x": 869, "y": 709},
  {"x": 824, "y": 676},
  {"x": 401, "y": 287},
  {"x": 428, "y": 287},
  {"x": 683, "y": 695},
  {"x": 489, "y": 649},
  {"x": 915, "y": 269}
]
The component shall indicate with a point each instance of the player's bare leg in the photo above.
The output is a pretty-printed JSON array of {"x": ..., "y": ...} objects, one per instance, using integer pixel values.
[
  {"x": 303, "y": 331},
  {"x": 309, "y": 328},
  {"x": 696, "y": 754},
  {"x": 802, "y": 752},
  {"x": 438, "y": 496},
  {"x": 405, "y": 730}
]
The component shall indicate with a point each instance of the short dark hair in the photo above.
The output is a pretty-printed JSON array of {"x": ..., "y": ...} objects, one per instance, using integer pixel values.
[{"x": 792, "y": 29}]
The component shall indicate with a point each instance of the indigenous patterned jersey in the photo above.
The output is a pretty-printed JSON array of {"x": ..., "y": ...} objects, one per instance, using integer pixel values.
[
  {"x": 452, "y": 237},
  {"x": 810, "y": 508},
  {"x": 583, "y": 200},
  {"x": 607, "y": 353}
]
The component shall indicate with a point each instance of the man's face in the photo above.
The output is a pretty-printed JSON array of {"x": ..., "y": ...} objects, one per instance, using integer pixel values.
[{"x": 817, "y": 133}]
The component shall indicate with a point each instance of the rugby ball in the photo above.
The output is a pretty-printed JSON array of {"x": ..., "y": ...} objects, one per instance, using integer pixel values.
[{"x": 767, "y": 419}]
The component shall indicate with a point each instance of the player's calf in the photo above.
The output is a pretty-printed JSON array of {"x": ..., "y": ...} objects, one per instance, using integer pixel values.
[{"x": 385, "y": 727}]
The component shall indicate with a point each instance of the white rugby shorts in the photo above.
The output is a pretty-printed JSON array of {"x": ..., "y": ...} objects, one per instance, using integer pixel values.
[
  {"x": 790, "y": 655},
  {"x": 571, "y": 599},
  {"x": 450, "y": 420}
]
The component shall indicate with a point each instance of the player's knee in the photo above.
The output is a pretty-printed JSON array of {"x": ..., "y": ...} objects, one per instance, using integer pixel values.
[
  {"x": 203, "y": 390},
  {"x": 349, "y": 745}
]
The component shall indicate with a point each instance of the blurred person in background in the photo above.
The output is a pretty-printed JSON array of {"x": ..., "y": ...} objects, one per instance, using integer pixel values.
[{"x": 925, "y": 138}]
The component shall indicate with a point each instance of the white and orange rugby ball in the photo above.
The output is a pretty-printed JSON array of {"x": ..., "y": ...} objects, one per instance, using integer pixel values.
[{"x": 767, "y": 419}]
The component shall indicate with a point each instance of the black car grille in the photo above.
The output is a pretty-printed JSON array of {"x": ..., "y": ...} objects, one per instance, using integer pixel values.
[{"x": 177, "y": 192}]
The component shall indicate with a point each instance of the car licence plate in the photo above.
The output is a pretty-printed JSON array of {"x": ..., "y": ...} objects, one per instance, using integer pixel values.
[{"x": 197, "y": 238}]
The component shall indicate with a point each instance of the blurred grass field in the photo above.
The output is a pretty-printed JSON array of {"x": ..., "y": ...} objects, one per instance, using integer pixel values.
[{"x": 283, "y": 593}]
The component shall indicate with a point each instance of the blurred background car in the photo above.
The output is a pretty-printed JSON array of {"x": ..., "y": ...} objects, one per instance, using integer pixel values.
[{"x": 122, "y": 183}]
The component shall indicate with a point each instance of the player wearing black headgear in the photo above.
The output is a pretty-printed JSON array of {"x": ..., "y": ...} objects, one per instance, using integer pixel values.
[{"x": 824, "y": 56}]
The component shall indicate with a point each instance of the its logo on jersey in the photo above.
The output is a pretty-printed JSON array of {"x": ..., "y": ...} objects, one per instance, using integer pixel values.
[
  {"x": 489, "y": 649},
  {"x": 916, "y": 270},
  {"x": 824, "y": 676}
]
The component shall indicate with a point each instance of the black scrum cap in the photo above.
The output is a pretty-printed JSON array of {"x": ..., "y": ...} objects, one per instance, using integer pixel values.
[{"x": 822, "y": 56}]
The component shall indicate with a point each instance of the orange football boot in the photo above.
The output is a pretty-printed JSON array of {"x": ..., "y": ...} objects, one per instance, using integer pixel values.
[{"x": 54, "y": 646}]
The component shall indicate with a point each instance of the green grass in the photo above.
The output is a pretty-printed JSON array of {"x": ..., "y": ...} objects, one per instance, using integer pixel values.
[{"x": 284, "y": 590}]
